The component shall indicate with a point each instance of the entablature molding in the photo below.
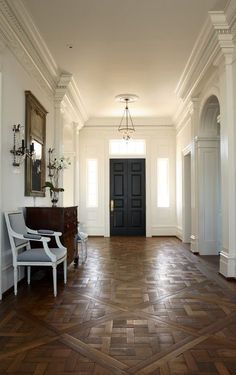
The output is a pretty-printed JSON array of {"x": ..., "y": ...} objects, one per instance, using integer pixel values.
[{"x": 214, "y": 43}]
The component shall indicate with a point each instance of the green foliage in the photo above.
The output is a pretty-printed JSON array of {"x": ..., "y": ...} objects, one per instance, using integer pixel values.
[{"x": 51, "y": 187}]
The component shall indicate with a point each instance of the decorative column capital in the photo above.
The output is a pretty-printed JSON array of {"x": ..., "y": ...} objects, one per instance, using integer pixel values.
[
  {"x": 67, "y": 97},
  {"x": 193, "y": 105},
  {"x": 62, "y": 88},
  {"x": 224, "y": 36}
]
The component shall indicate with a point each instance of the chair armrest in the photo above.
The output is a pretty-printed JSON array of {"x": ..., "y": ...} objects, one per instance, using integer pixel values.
[
  {"x": 50, "y": 233},
  {"x": 54, "y": 234},
  {"x": 32, "y": 236},
  {"x": 44, "y": 231},
  {"x": 29, "y": 237}
]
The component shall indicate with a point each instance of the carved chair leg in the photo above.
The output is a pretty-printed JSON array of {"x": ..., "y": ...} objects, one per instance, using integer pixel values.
[
  {"x": 54, "y": 273},
  {"x": 15, "y": 279},
  {"x": 28, "y": 274},
  {"x": 65, "y": 270}
]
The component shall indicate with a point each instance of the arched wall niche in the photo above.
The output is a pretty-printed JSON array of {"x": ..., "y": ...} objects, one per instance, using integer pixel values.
[
  {"x": 209, "y": 118},
  {"x": 209, "y": 178}
]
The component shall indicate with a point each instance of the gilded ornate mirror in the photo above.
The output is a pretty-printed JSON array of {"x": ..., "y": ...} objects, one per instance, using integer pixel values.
[{"x": 35, "y": 134}]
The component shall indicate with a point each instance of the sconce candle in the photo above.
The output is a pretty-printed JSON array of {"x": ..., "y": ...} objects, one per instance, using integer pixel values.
[{"x": 32, "y": 147}]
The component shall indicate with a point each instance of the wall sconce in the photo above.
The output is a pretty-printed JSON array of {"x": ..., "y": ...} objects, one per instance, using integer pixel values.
[{"x": 20, "y": 151}]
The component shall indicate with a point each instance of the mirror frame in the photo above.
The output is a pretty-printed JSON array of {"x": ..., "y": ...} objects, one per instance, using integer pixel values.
[{"x": 35, "y": 129}]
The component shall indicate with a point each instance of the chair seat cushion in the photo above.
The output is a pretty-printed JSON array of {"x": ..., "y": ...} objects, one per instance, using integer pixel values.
[
  {"x": 81, "y": 236},
  {"x": 39, "y": 255}
]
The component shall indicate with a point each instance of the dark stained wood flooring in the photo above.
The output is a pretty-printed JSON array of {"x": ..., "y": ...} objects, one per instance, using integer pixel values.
[{"x": 144, "y": 306}]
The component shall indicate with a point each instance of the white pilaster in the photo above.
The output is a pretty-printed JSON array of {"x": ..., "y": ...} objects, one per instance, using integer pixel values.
[
  {"x": 228, "y": 254},
  {"x": 69, "y": 111},
  {"x": 1, "y": 47},
  {"x": 208, "y": 190},
  {"x": 194, "y": 112}
]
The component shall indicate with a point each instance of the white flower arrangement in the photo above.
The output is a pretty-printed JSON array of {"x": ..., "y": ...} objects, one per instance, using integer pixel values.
[
  {"x": 55, "y": 166},
  {"x": 60, "y": 163}
]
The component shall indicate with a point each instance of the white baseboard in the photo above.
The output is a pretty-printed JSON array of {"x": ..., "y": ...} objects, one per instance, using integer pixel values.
[
  {"x": 207, "y": 248},
  {"x": 7, "y": 276},
  {"x": 227, "y": 265},
  {"x": 179, "y": 232},
  {"x": 93, "y": 230},
  {"x": 164, "y": 231}
]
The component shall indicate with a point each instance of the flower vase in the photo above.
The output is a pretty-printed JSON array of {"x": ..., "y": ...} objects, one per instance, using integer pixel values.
[{"x": 54, "y": 198}]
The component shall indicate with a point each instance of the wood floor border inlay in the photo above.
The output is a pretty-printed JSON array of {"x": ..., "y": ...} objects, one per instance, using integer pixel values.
[{"x": 116, "y": 366}]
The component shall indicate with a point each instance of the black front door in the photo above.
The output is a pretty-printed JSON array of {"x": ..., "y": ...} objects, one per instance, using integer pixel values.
[{"x": 127, "y": 197}]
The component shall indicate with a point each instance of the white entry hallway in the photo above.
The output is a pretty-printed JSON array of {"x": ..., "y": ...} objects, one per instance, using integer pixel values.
[{"x": 75, "y": 57}]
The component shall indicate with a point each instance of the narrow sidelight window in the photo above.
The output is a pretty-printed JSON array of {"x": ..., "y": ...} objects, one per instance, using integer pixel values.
[{"x": 163, "y": 188}]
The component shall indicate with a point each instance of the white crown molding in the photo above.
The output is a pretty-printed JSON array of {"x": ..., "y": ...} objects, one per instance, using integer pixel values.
[
  {"x": 22, "y": 37},
  {"x": 215, "y": 42},
  {"x": 68, "y": 98},
  {"x": 138, "y": 121},
  {"x": 230, "y": 12},
  {"x": 199, "y": 61},
  {"x": 37, "y": 40},
  {"x": 19, "y": 39},
  {"x": 214, "y": 45}
]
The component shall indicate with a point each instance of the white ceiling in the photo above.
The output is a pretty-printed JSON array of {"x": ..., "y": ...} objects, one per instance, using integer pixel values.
[{"x": 126, "y": 46}]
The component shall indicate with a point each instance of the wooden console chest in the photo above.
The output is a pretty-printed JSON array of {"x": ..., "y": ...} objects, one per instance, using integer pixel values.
[{"x": 60, "y": 219}]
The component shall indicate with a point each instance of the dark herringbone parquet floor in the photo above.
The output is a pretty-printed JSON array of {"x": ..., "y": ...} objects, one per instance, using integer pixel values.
[{"x": 143, "y": 306}]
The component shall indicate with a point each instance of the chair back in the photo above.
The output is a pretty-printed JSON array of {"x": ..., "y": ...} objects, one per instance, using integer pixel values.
[{"x": 16, "y": 224}]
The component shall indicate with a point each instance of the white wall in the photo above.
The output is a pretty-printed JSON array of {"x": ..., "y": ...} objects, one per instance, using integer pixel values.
[
  {"x": 15, "y": 81},
  {"x": 94, "y": 143}
]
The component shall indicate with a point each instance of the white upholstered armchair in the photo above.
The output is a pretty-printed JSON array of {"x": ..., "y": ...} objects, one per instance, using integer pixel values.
[{"x": 20, "y": 237}]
